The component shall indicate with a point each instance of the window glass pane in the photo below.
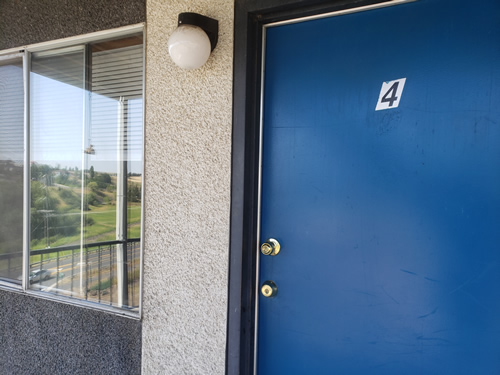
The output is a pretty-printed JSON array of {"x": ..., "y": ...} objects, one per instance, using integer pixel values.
[
  {"x": 114, "y": 183},
  {"x": 11, "y": 169},
  {"x": 57, "y": 94},
  {"x": 86, "y": 127}
]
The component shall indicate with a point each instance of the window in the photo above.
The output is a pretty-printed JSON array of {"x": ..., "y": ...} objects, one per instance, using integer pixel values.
[{"x": 85, "y": 172}]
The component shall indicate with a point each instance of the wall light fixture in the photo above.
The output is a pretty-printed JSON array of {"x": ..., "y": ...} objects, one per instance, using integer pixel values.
[{"x": 194, "y": 39}]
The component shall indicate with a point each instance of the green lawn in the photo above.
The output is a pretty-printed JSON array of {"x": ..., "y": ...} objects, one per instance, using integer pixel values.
[{"x": 103, "y": 227}]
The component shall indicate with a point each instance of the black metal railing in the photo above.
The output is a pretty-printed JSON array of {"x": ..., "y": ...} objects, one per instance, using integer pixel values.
[{"x": 90, "y": 272}]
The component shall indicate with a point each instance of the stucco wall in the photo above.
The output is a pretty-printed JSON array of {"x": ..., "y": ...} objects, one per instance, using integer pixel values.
[
  {"x": 187, "y": 189},
  {"x": 38, "y": 336},
  {"x": 33, "y": 21}
]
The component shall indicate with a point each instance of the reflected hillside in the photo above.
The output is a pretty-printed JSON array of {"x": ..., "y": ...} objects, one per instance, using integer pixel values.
[{"x": 62, "y": 207}]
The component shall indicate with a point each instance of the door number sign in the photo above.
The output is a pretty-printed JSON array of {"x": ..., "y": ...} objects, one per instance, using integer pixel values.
[{"x": 390, "y": 94}]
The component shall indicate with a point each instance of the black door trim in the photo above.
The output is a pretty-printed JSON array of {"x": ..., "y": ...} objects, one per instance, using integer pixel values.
[{"x": 249, "y": 18}]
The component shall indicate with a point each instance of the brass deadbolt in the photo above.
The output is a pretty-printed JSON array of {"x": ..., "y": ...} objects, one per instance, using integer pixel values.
[
  {"x": 269, "y": 289},
  {"x": 270, "y": 247}
]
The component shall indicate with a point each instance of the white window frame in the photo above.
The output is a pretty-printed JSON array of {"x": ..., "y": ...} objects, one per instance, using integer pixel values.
[{"x": 24, "y": 52}]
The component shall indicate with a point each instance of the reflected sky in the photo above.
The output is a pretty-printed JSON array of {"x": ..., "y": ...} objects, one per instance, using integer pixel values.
[{"x": 66, "y": 119}]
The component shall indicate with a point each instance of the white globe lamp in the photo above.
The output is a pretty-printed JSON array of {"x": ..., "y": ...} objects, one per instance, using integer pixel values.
[{"x": 191, "y": 43}]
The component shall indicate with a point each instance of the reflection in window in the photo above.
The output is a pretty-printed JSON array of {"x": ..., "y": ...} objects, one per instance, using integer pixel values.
[
  {"x": 11, "y": 169},
  {"x": 86, "y": 171}
]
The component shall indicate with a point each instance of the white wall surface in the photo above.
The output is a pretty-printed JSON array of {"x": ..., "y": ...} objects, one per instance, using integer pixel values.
[{"x": 187, "y": 197}]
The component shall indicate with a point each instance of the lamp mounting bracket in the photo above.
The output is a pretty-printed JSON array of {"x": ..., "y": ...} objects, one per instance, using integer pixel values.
[{"x": 207, "y": 24}]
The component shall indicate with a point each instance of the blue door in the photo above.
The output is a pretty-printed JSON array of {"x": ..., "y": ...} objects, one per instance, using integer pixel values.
[{"x": 381, "y": 184}]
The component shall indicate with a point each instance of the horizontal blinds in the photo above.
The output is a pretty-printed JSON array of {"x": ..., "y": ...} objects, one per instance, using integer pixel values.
[
  {"x": 106, "y": 111},
  {"x": 116, "y": 102},
  {"x": 11, "y": 112},
  {"x": 57, "y": 84},
  {"x": 11, "y": 169}
]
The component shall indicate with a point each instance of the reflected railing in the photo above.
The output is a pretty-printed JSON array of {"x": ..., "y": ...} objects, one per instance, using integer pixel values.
[
  {"x": 89, "y": 272},
  {"x": 11, "y": 267}
]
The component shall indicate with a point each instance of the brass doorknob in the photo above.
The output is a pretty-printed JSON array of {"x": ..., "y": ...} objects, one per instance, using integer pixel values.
[
  {"x": 269, "y": 289},
  {"x": 270, "y": 247}
]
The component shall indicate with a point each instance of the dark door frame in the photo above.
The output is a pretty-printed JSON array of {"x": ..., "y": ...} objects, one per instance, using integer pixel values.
[{"x": 249, "y": 18}]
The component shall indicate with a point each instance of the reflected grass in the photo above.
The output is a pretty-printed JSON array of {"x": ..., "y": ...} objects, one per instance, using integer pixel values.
[{"x": 103, "y": 228}]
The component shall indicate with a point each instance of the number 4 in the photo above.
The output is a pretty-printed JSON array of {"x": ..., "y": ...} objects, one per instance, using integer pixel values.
[
  {"x": 393, "y": 90},
  {"x": 390, "y": 94}
]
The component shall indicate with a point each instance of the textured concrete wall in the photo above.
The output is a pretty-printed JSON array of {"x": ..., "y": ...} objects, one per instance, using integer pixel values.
[
  {"x": 188, "y": 149},
  {"x": 32, "y": 21},
  {"x": 45, "y": 337}
]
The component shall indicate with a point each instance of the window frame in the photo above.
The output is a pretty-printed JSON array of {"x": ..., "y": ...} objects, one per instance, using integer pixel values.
[{"x": 24, "y": 53}]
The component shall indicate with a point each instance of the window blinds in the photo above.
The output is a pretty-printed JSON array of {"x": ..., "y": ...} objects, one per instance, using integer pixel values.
[
  {"x": 12, "y": 112},
  {"x": 116, "y": 101}
]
